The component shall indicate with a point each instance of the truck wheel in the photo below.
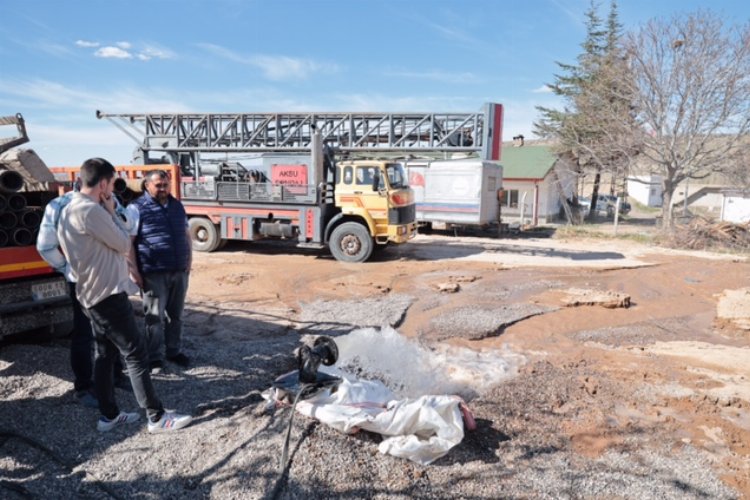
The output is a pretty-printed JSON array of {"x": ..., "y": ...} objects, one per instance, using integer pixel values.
[
  {"x": 351, "y": 242},
  {"x": 204, "y": 234}
]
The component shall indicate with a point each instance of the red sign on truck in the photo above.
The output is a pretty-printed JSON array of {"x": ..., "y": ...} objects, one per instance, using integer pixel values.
[{"x": 290, "y": 175}]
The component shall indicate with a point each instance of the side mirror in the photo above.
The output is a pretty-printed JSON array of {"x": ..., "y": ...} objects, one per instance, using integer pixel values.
[{"x": 375, "y": 180}]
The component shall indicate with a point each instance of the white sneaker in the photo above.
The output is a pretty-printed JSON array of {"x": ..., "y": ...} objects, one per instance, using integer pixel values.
[
  {"x": 170, "y": 421},
  {"x": 104, "y": 424}
]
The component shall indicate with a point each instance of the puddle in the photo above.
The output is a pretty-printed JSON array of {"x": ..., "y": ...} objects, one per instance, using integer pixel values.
[{"x": 411, "y": 370}]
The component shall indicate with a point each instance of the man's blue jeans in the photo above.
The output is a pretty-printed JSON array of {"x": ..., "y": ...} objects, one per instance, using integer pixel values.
[{"x": 116, "y": 333}]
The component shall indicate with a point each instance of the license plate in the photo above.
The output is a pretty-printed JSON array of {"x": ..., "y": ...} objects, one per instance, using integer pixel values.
[{"x": 51, "y": 290}]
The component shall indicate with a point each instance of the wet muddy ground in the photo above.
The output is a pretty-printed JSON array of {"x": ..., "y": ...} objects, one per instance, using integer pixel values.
[{"x": 650, "y": 400}]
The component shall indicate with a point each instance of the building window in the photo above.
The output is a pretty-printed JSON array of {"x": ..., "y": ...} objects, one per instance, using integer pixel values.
[{"x": 509, "y": 198}]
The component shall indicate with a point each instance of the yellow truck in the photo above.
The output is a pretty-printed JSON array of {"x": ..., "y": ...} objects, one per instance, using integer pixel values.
[
  {"x": 352, "y": 218},
  {"x": 316, "y": 178}
]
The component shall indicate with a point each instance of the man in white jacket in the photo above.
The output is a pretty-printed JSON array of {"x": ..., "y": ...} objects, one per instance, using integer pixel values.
[
  {"x": 96, "y": 245},
  {"x": 81, "y": 338}
]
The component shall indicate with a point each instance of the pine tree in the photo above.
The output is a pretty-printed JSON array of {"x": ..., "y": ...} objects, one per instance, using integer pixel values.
[{"x": 585, "y": 87}]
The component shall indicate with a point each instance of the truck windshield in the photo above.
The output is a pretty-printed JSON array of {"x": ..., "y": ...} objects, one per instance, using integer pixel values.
[{"x": 396, "y": 176}]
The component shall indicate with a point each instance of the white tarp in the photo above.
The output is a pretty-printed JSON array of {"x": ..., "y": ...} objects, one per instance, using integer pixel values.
[{"x": 422, "y": 429}]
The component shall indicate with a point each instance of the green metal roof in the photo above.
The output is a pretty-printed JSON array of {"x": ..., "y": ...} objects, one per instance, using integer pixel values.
[{"x": 527, "y": 162}]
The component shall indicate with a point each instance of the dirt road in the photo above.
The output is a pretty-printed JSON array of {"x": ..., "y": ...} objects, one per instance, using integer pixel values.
[{"x": 598, "y": 399}]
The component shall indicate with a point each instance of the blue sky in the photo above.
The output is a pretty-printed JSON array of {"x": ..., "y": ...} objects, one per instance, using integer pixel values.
[{"x": 60, "y": 60}]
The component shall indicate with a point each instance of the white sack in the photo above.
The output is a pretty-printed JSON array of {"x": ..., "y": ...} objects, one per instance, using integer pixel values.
[{"x": 422, "y": 429}]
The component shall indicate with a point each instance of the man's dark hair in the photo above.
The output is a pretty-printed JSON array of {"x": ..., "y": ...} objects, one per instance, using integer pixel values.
[
  {"x": 94, "y": 170},
  {"x": 161, "y": 174}
]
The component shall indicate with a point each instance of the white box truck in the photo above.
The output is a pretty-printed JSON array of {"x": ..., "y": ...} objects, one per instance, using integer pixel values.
[{"x": 456, "y": 193}]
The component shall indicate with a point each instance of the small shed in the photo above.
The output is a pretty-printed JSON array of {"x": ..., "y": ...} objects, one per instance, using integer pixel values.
[
  {"x": 735, "y": 206},
  {"x": 646, "y": 189},
  {"x": 534, "y": 179}
]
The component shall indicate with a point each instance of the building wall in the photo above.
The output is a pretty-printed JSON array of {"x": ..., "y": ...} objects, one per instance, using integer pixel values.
[
  {"x": 540, "y": 194},
  {"x": 646, "y": 190},
  {"x": 512, "y": 214},
  {"x": 736, "y": 208}
]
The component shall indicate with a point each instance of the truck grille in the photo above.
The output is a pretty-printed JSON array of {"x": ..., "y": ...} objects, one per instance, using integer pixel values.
[{"x": 402, "y": 215}]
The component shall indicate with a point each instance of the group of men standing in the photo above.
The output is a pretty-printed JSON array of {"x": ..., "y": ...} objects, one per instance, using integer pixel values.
[{"x": 108, "y": 253}]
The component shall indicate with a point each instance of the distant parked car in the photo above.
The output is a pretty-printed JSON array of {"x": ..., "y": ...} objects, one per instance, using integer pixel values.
[{"x": 605, "y": 204}]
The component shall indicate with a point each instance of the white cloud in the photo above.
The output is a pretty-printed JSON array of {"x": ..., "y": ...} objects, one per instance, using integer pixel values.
[
  {"x": 61, "y": 119},
  {"x": 124, "y": 45},
  {"x": 48, "y": 95},
  {"x": 86, "y": 44},
  {"x": 275, "y": 68},
  {"x": 284, "y": 67},
  {"x": 453, "y": 34},
  {"x": 438, "y": 76},
  {"x": 383, "y": 103},
  {"x": 544, "y": 89},
  {"x": 154, "y": 52},
  {"x": 54, "y": 49},
  {"x": 113, "y": 52}
]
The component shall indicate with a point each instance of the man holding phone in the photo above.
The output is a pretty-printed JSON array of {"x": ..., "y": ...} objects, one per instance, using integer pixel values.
[{"x": 96, "y": 245}]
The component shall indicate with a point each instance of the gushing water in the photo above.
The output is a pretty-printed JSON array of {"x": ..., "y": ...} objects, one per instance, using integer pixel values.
[{"x": 411, "y": 370}]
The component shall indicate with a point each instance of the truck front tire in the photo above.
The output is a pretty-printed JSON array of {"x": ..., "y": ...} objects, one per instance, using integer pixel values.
[
  {"x": 204, "y": 234},
  {"x": 351, "y": 242}
]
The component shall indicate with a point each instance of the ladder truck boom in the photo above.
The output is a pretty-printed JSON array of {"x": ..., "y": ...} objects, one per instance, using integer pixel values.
[
  {"x": 407, "y": 133},
  {"x": 317, "y": 178}
]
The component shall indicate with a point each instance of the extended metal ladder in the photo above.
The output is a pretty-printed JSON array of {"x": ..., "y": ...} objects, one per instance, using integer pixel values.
[{"x": 479, "y": 132}]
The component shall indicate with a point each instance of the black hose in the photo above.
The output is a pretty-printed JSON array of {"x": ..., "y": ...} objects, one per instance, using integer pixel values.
[{"x": 57, "y": 458}]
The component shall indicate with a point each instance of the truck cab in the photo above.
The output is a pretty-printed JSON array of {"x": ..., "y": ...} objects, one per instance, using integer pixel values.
[{"x": 374, "y": 195}]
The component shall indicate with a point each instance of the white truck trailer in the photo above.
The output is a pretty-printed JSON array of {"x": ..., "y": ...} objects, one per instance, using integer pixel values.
[{"x": 456, "y": 193}]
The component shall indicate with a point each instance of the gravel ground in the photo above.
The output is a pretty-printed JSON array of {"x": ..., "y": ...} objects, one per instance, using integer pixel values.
[
  {"x": 50, "y": 448},
  {"x": 569, "y": 423},
  {"x": 476, "y": 322}
]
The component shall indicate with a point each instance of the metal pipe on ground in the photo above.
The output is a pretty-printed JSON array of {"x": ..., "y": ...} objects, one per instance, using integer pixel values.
[
  {"x": 31, "y": 217},
  {"x": 16, "y": 202},
  {"x": 22, "y": 237},
  {"x": 126, "y": 196},
  {"x": 10, "y": 181},
  {"x": 8, "y": 220},
  {"x": 4, "y": 240},
  {"x": 120, "y": 185},
  {"x": 136, "y": 185},
  {"x": 3, "y": 203}
]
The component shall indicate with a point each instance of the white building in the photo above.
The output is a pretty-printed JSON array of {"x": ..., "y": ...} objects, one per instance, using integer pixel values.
[
  {"x": 534, "y": 178},
  {"x": 646, "y": 189},
  {"x": 735, "y": 207}
]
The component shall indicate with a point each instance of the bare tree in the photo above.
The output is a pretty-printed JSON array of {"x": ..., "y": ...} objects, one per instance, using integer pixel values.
[{"x": 689, "y": 81}]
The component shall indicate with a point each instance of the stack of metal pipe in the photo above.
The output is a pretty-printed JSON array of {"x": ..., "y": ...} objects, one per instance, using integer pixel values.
[
  {"x": 19, "y": 221},
  {"x": 128, "y": 190}
]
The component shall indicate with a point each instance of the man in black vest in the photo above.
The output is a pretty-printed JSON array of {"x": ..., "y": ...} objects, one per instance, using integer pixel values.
[{"x": 160, "y": 262}]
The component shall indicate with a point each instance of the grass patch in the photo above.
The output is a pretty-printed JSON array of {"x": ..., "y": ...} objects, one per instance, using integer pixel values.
[
  {"x": 597, "y": 232},
  {"x": 645, "y": 208}
]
